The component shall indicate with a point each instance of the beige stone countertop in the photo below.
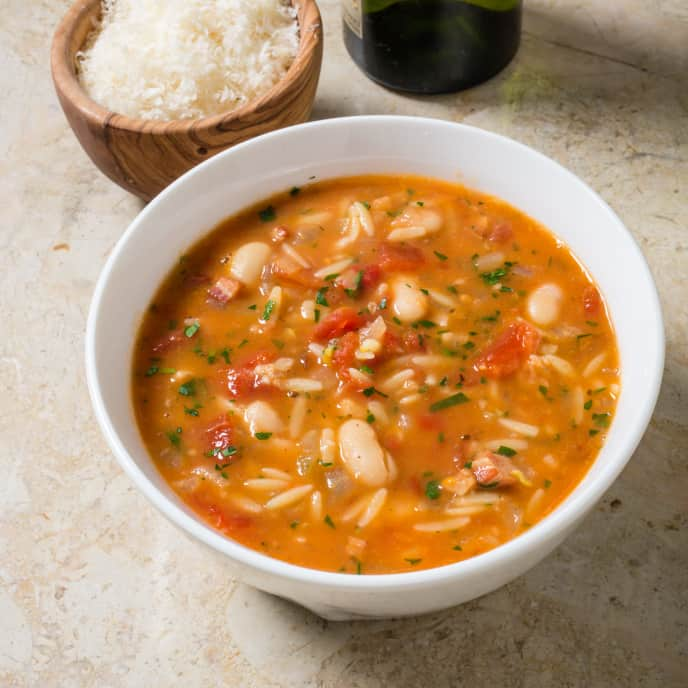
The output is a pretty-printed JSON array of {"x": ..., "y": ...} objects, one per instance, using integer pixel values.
[{"x": 97, "y": 589}]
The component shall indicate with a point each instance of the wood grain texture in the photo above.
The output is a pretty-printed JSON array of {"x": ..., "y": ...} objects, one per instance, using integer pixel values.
[{"x": 144, "y": 156}]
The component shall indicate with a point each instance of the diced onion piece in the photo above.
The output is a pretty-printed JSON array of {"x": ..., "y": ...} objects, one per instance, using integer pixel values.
[{"x": 248, "y": 262}]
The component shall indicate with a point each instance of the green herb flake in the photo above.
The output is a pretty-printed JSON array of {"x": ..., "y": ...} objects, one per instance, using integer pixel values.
[
  {"x": 267, "y": 214},
  {"x": 583, "y": 336},
  {"x": 357, "y": 285},
  {"x": 188, "y": 389},
  {"x": 328, "y": 521},
  {"x": 366, "y": 205},
  {"x": 543, "y": 390},
  {"x": 396, "y": 320},
  {"x": 468, "y": 465},
  {"x": 433, "y": 489},
  {"x": 225, "y": 355},
  {"x": 253, "y": 307},
  {"x": 592, "y": 323},
  {"x": 440, "y": 437},
  {"x": 263, "y": 435},
  {"x": 443, "y": 382},
  {"x": 191, "y": 330},
  {"x": 191, "y": 411},
  {"x": 173, "y": 437},
  {"x": 453, "y": 400},
  {"x": 457, "y": 548},
  {"x": 366, "y": 369},
  {"x": 451, "y": 288},
  {"x": 294, "y": 191},
  {"x": 279, "y": 344},
  {"x": 598, "y": 390},
  {"x": 492, "y": 318},
  {"x": 468, "y": 345},
  {"x": 269, "y": 307},
  {"x": 547, "y": 484},
  {"x": 369, "y": 391},
  {"x": 427, "y": 324},
  {"x": 294, "y": 524},
  {"x": 320, "y": 297},
  {"x": 370, "y": 418},
  {"x": 587, "y": 405},
  {"x": 242, "y": 343},
  {"x": 601, "y": 420},
  {"x": 592, "y": 433},
  {"x": 496, "y": 276},
  {"x": 413, "y": 562},
  {"x": 152, "y": 371},
  {"x": 229, "y": 451},
  {"x": 506, "y": 451},
  {"x": 316, "y": 315}
]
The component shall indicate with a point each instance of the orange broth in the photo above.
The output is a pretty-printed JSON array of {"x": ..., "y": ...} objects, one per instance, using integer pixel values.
[{"x": 407, "y": 373}]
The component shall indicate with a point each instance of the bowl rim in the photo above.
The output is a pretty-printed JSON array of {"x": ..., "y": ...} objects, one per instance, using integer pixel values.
[
  {"x": 551, "y": 528},
  {"x": 68, "y": 85}
]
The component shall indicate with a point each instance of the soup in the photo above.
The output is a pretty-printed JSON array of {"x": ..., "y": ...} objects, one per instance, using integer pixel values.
[{"x": 375, "y": 374}]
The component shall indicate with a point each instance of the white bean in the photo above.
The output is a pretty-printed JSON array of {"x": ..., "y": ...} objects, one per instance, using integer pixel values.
[
  {"x": 248, "y": 262},
  {"x": 362, "y": 454},
  {"x": 261, "y": 417},
  {"x": 409, "y": 303},
  {"x": 544, "y": 304}
]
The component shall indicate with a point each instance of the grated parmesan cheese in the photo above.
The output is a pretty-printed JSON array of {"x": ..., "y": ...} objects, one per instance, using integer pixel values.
[{"x": 186, "y": 59}]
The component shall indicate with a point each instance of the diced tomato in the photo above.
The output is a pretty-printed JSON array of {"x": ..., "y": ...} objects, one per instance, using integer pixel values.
[
  {"x": 241, "y": 380},
  {"x": 219, "y": 435},
  {"x": 400, "y": 257},
  {"x": 415, "y": 485},
  {"x": 344, "y": 356},
  {"x": 431, "y": 421},
  {"x": 372, "y": 274},
  {"x": 168, "y": 341},
  {"x": 219, "y": 515},
  {"x": 500, "y": 232},
  {"x": 337, "y": 323},
  {"x": 592, "y": 301},
  {"x": 406, "y": 342},
  {"x": 508, "y": 351}
]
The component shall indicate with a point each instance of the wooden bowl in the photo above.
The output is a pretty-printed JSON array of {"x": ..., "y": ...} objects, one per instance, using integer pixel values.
[{"x": 144, "y": 156}]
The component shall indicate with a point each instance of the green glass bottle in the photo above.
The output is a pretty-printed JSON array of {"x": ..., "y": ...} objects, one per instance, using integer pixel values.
[{"x": 431, "y": 46}]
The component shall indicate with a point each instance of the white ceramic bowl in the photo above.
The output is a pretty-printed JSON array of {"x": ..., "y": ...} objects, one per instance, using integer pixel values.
[{"x": 245, "y": 174}]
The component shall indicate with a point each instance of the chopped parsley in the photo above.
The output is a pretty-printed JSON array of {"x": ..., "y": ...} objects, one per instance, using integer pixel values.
[
  {"x": 225, "y": 354},
  {"x": 587, "y": 405},
  {"x": 601, "y": 420},
  {"x": 192, "y": 411},
  {"x": 420, "y": 203},
  {"x": 370, "y": 418},
  {"x": 543, "y": 390},
  {"x": 191, "y": 330},
  {"x": 427, "y": 324},
  {"x": 243, "y": 342},
  {"x": 443, "y": 382},
  {"x": 328, "y": 521},
  {"x": 174, "y": 438},
  {"x": 366, "y": 369},
  {"x": 497, "y": 275},
  {"x": 453, "y": 400},
  {"x": 506, "y": 451},
  {"x": 253, "y": 307},
  {"x": 294, "y": 191},
  {"x": 320, "y": 297},
  {"x": 547, "y": 484},
  {"x": 269, "y": 307},
  {"x": 433, "y": 489},
  {"x": 441, "y": 256},
  {"x": 357, "y": 285},
  {"x": 293, "y": 524},
  {"x": 279, "y": 344},
  {"x": 369, "y": 391},
  {"x": 413, "y": 562},
  {"x": 316, "y": 315},
  {"x": 451, "y": 288},
  {"x": 458, "y": 548},
  {"x": 267, "y": 214},
  {"x": 188, "y": 389},
  {"x": 263, "y": 435},
  {"x": 592, "y": 433},
  {"x": 152, "y": 371}
]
